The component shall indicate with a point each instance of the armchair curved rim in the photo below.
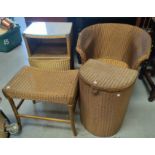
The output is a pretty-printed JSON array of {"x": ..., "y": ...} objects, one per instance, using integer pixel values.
[
  {"x": 140, "y": 60},
  {"x": 82, "y": 54}
]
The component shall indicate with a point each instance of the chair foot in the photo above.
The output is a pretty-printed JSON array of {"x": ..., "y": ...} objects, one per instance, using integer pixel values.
[
  {"x": 152, "y": 95},
  {"x": 34, "y": 101},
  {"x": 71, "y": 117}
]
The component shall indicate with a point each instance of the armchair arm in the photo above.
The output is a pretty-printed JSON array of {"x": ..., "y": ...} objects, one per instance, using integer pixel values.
[
  {"x": 85, "y": 46},
  {"x": 81, "y": 53},
  {"x": 141, "y": 48}
]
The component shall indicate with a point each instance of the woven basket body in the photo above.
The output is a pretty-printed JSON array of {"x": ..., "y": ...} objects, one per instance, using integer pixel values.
[
  {"x": 103, "y": 114},
  {"x": 104, "y": 96},
  {"x": 51, "y": 64}
]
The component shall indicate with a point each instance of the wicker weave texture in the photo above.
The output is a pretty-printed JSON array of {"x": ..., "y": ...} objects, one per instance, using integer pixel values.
[
  {"x": 105, "y": 90},
  {"x": 51, "y": 64},
  {"x": 3, "y": 134},
  {"x": 114, "y": 62},
  {"x": 115, "y": 41},
  {"x": 102, "y": 114},
  {"x": 107, "y": 77},
  {"x": 35, "y": 84}
]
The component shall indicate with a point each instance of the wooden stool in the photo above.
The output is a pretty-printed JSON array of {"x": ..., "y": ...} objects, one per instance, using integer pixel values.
[{"x": 33, "y": 84}]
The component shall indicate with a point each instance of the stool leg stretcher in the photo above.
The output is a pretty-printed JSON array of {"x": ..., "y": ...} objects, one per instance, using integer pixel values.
[{"x": 71, "y": 109}]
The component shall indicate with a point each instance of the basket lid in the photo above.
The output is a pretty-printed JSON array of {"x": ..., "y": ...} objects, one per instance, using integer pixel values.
[{"x": 107, "y": 76}]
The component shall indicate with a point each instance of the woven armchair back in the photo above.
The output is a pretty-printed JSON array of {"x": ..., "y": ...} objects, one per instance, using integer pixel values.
[{"x": 115, "y": 41}]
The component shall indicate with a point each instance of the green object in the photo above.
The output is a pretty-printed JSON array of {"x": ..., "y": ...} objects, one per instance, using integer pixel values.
[{"x": 10, "y": 39}]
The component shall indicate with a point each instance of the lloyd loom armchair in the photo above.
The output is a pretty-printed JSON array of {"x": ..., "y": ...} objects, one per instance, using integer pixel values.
[
  {"x": 121, "y": 42},
  {"x": 106, "y": 83}
]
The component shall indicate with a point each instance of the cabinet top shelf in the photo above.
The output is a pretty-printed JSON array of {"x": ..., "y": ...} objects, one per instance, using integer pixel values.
[{"x": 48, "y": 30}]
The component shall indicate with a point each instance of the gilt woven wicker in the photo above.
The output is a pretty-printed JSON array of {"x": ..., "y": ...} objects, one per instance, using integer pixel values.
[
  {"x": 2, "y": 127},
  {"x": 104, "y": 96},
  {"x": 51, "y": 64},
  {"x": 114, "y": 62},
  {"x": 34, "y": 84},
  {"x": 123, "y": 42},
  {"x": 3, "y": 133},
  {"x": 3, "y": 121}
]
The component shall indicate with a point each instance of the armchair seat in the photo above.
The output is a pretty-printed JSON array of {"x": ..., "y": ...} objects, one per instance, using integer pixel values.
[{"x": 114, "y": 62}]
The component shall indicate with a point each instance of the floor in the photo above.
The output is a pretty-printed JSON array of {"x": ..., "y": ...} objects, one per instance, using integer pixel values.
[{"x": 138, "y": 122}]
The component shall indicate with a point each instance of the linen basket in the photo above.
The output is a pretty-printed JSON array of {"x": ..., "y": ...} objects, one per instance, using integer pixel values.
[{"x": 105, "y": 90}]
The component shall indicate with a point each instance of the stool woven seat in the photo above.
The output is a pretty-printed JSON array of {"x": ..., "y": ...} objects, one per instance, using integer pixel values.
[
  {"x": 52, "y": 86},
  {"x": 34, "y": 84}
]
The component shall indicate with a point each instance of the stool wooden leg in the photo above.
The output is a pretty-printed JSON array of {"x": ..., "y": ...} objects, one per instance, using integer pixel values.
[
  {"x": 14, "y": 108},
  {"x": 71, "y": 116},
  {"x": 15, "y": 112}
]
